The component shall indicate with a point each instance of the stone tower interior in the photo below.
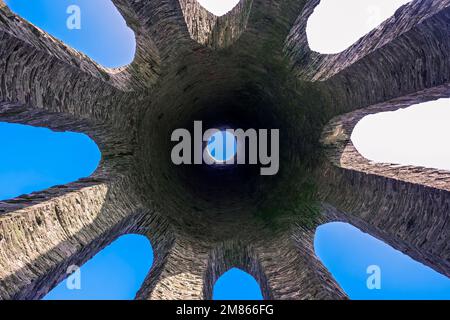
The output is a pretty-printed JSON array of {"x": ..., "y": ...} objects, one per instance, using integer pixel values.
[{"x": 251, "y": 68}]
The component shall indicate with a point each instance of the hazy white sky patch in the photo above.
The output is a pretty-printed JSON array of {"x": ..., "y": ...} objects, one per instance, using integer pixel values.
[
  {"x": 418, "y": 135},
  {"x": 218, "y": 7},
  {"x": 337, "y": 24}
]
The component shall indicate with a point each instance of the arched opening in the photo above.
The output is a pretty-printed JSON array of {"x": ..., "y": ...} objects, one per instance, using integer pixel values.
[
  {"x": 34, "y": 159},
  {"x": 95, "y": 28},
  {"x": 218, "y": 8},
  {"x": 336, "y": 25},
  {"x": 367, "y": 268},
  {"x": 115, "y": 273},
  {"x": 413, "y": 136},
  {"x": 236, "y": 284}
]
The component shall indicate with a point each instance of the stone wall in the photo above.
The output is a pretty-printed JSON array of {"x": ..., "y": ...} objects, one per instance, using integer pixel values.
[{"x": 409, "y": 206}]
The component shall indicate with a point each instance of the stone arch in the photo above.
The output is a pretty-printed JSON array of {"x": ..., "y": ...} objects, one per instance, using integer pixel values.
[
  {"x": 211, "y": 30},
  {"x": 368, "y": 268},
  {"x": 336, "y": 15},
  {"x": 411, "y": 136},
  {"x": 141, "y": 72},
  {"x": 118, "y": 257},
  {"x": 419, "y": 14},
  {"x": 238, "y": 279},
  {"x": 406, "y": 207},
  {"x": 43, "y": 158},
  {"x": 234, "y": 254}
]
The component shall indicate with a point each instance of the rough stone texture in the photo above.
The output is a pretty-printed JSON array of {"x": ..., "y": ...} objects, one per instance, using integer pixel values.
[
  {"x": 58, "y": 227},
  {"x": 292, "y": 269},
  {"x": 250, "y": 69},
  {"x": 216, "y": 32},
  {"x": 406, "y": 206},
  {"x": 178, "y": 271},
  {"x": 409, "y": 52}
]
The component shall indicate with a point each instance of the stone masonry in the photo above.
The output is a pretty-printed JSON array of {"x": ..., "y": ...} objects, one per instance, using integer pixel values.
[{"x": 251, "y": 68}]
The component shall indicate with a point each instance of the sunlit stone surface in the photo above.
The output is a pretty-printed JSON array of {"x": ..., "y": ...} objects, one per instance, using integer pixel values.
[{"x": 251, "y": 68}]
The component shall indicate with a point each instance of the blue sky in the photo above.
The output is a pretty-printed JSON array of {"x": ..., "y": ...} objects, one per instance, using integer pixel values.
[
  {"x": 116, "y": 273},
  {"x": 35, "y": 158},
  {"x": 347, "y": 252},
  {"x": 102, "y": 27}
]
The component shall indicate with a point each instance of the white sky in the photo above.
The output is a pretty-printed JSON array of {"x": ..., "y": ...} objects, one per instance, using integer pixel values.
[
  {"x": 418, "y": 135},
  {"x": 218, "y": 7},
  {"x": 336, "y": 24}
]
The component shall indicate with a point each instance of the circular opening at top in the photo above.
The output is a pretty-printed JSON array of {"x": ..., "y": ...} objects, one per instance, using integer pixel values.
[{"x": 222, "y": 146}]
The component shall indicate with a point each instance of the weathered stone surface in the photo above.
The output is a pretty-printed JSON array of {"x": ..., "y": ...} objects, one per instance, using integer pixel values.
[
  {"x": 408, "y": 53},
  {"x": 408, "y": 207},
  {"x": 292, "y": 269},
  {"x": 216, "y": 32},
  {"x": 43, "y": 234},
  {"x": 234, "y": 70}
]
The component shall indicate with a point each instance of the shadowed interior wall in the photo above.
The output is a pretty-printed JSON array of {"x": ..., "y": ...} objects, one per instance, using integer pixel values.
[{"x": 261, "y": 76}]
